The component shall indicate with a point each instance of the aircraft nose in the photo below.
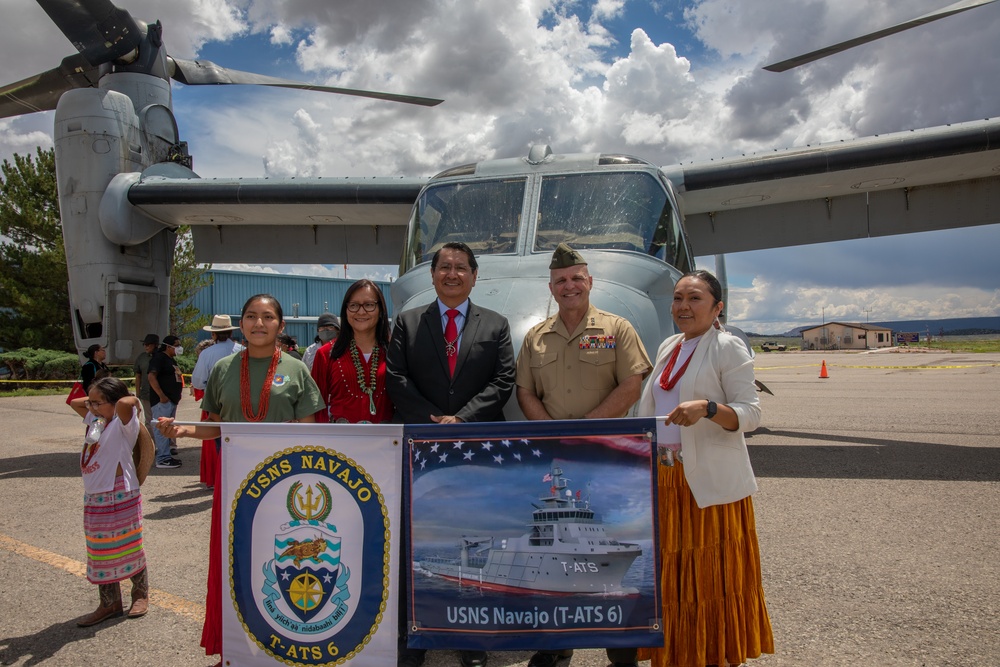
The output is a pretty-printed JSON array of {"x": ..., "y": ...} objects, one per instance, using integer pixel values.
[{"x": 525, "y": 301}]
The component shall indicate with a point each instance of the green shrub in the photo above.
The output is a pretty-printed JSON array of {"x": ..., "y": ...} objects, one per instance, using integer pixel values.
[
  {"x": 31, "y": 364},
  {"x": 186, "y": 362}
]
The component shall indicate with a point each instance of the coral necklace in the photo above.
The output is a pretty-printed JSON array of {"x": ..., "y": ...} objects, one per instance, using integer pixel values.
[
  {"x": 265, "y": 390},
  {"x": 667, "y": 382}
]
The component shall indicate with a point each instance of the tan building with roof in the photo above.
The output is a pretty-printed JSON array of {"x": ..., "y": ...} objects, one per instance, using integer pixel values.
[{"x": 846, "y": 336}]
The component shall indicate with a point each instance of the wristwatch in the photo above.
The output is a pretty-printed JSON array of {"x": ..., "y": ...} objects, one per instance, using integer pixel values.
[{"x": 712, "y": 408}]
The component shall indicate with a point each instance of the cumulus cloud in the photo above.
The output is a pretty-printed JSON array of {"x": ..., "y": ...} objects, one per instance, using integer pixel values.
[
  {"x": 281, "y": 35},
  {"x": 22, "y": 141},
  {"x": 554, "y": 71}
]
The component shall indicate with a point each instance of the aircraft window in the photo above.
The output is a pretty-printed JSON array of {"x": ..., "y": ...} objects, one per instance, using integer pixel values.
[
  {"x": 483, "y": 214},
  {"x": 618, "y": 211}
]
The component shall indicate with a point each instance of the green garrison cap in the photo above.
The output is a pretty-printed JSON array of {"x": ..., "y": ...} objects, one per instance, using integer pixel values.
[{"x": 565, "y": 257}]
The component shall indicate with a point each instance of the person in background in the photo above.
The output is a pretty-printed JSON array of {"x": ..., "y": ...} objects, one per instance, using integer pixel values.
[
  {"x": 714, "y": 611},
  {"x": 350, "y": 370},
  {"x": 327, "y": 328},
  {"x": 221, "y": 330},
  {"x": 141, "y": 367},
  {"x": 222, "y": 345},
  {"x": 262, "y": 398},
  {"x": 289, "y": 345},
  {"x": 596, "y": 353},
  {"x": 94, "y": 367},
  {"x": 449, "y": 362},
  {"x": 199, "y": 348},
  {"x": 165, "y": 385},
  {"x": 112, "y": 504}
]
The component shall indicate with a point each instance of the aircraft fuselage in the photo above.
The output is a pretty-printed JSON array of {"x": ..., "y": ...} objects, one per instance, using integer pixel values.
[{"x": 619, "y": 211}]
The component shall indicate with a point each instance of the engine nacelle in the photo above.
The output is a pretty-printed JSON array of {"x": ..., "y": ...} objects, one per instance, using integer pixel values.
[{"x": 118, "y": 293}]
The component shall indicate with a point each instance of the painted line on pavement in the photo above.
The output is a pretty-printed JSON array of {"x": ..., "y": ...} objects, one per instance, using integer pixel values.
[
  {"x": 168, "y": 601},
  {"x": 920, "y": 368},
  {"x": 900, "y": 368}
]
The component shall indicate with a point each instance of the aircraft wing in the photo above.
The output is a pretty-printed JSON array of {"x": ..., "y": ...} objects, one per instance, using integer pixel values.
[
  {"x": 916, "y": 181},
  {"x": 295, "y": 221}
]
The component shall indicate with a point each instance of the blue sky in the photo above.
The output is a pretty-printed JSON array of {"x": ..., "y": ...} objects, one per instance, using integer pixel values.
[{"x": 668, "y": 81}]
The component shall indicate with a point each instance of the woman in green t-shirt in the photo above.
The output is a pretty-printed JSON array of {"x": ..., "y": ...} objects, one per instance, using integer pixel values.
[{"x": 259, "y": 384}]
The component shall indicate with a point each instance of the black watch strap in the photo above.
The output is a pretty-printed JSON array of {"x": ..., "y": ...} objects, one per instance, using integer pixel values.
[{"x": 713, "y": 408}]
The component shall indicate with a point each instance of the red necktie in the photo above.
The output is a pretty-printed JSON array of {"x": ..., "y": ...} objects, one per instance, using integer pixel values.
[{"x": 451, "y": 340}]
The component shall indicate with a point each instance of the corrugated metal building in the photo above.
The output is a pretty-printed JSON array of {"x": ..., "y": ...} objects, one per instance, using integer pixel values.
[{"x": 302, "y": 298}]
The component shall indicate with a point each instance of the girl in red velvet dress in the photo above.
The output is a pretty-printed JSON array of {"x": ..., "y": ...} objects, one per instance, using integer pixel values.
[{"x": 350, "y": 370}]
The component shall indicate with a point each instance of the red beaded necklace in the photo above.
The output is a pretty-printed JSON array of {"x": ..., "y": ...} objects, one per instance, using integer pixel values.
[
  {"x": 265, "y": 390},
  {"x": 666, "y": 382}
]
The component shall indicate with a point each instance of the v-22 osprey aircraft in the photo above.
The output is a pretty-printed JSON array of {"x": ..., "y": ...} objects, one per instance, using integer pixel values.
[{"x": 126, "y": 183}]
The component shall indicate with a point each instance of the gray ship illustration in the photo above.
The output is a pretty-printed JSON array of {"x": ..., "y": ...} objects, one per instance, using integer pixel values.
[{"x": 566, "y": 551}]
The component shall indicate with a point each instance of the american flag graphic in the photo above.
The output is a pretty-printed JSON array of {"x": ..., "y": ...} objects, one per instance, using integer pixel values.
[
  {"x": 442, "y": 453},
  {"x": 506, "y": 445}
]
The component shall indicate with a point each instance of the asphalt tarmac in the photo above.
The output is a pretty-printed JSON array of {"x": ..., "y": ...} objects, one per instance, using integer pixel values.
[{"x": 878, "y": 516}]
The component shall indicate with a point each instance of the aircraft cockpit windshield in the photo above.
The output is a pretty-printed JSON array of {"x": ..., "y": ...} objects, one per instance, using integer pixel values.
[
  {"x": 613, "y": 211},
  {"x": 485, "y": 215},
  {"x": 607, "y": 210}
]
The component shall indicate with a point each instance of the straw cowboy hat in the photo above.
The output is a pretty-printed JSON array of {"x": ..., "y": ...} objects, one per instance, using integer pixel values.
[
  {"x": 220, "y": 323},
  {"x": 143, "y": 453}
]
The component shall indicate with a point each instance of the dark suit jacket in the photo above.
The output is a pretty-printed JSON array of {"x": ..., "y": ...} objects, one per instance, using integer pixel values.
[{"x": 417, "y": 377}]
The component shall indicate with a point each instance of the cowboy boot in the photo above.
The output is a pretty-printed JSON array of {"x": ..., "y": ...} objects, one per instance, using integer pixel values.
[
  {"x": 111, "y": 605},
  {"x": 140, "y": 594}
]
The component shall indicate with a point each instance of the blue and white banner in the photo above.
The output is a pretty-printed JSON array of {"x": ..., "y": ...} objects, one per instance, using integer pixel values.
[
  {"x": 311, "y": 544},
  {"x": 532, "y": 535}
]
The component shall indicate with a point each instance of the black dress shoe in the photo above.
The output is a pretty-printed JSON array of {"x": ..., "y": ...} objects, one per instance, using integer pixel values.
[
  {"x": 549, "y": 658},
  {"x": 472, "y": 658}
]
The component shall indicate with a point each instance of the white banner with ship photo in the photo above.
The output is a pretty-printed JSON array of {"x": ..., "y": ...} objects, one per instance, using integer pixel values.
[
  {"x": 310, "y": 544},
  {"x": 532, "y": 535}
]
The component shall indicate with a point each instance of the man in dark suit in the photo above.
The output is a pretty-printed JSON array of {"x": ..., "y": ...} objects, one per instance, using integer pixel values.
[
  {"x": 418, "y": 376},
  {"x": 448, "y": 363}
]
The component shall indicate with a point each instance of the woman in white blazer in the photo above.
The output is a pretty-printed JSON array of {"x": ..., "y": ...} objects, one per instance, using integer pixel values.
[{"x": 702, "y": 383}]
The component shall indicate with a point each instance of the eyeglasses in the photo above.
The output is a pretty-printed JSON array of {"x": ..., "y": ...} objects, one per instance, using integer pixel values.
[
  {"x": 355, "y": 307},
  {"x": 95, "y": 404}
]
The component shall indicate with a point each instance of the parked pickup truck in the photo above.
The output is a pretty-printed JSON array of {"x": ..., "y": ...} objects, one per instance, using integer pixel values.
[{"x": 771, "y": 345}]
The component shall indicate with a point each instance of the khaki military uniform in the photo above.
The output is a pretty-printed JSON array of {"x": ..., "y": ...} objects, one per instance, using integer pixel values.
[{"x": 573, "y": 372}]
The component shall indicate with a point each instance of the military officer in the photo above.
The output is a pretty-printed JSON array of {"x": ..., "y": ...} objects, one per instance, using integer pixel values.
[{"x": 581, "y": 363}]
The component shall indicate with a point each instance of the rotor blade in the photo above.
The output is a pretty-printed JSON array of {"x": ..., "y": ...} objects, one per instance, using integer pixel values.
[
  {"x": 205, "y": 72},
  {"x": 100, "y": 31},
  {"x": 956, "y": 8},
  {"x": 41, "y": 92}
]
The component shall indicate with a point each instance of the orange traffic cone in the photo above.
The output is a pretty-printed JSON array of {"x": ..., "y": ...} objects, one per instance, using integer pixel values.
[{"x": 822, "y": 371}]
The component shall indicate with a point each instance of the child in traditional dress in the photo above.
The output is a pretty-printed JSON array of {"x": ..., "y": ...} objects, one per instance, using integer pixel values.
[{"x": 112, "y": 504}]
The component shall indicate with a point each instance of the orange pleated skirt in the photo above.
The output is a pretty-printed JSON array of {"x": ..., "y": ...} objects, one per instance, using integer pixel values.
[{"x": 714, "y": 611}]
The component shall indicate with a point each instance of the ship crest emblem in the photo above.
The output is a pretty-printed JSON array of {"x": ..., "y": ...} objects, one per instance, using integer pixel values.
[
  {"x": 306, "y": 581},
  {"x": 308, "y": 530}
]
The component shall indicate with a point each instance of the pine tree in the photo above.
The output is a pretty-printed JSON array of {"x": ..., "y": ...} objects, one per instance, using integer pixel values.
[{"x": 34, "y": 297}]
